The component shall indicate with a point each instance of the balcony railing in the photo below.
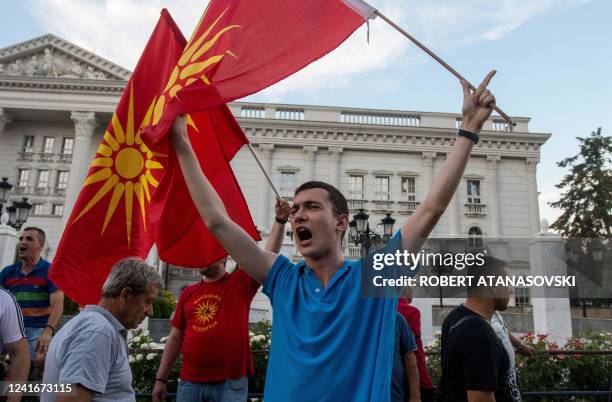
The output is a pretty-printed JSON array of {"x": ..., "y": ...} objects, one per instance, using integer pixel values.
[
  {"x": 65, "y": 158},
  {"x": 45, "y": 156},
  {"x": 354, "y": 252},
  {"x": 59, "y": 191},
  {"x": 381, "y": 206},
  {"x": 41, "y": 190},
  {"x": 21, "y": 190},
  {"x": 475, "y": 210},
  {"x": 356, "y": 205},
  {"x": 407, "y": 207},
  {"x": 26, "y": 155}
]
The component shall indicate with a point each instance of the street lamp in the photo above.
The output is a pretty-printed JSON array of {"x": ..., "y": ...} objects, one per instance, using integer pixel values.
[
  {"x": 361, "y": 235},
  {"x": 5, "y": 187},
  {"x": 19, "y": 211}
]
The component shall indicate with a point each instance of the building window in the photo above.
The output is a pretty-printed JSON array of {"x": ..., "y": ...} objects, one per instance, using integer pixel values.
[
  {"x": 409, "y": 188},
  {"x": 356, "y": 187},
  {"x": 28, "y": 144},
  {"x": 43, "y": 178},
  {"x": 57, "y": 210},
  {"x": 23, "y": 177},
  {"x": 473, "y": 191},
  {"x": 382, "y": 187},
  {"x": 475, "y": 238},
  {"x": 253, "y": 112},
  {"x": 288, "y": 184},
  {"x": 289, "y": 114},
  {"x": 501, "y": 125},
  {"x": 67, "y": 145},
  {"x": 521, "y": 296},
  {"x": 38, "y": 209},
  {"x": 48, "y": 145},
  {"x": 62, "y": 180}
]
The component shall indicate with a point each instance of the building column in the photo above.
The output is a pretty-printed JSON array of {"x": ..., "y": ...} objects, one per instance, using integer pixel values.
[
  {"x": 428, "y": 172},
  {"x": 8, "y": 241},
  {"x": 5, "y": 119},
  {"x": 551, "y": 309},
  {"x": 453, "y": 214},
  {"x": 84, "y": 125},
  {"x": 534, "y": 208},
  {"x": 265, "y": 154},
  {"x": 492, "y": 163},
  {"x": 334, "y": 166},
  {"x": 310, "y": 152}
]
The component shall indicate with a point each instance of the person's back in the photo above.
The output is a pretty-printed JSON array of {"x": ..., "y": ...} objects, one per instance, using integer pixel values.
[
  {"x": 472, "y": 358},
  {"x": 413, "y": 318},
  {"x": 91, "y": 350},
  {"x": 404, "y": 344},
  {"x": 499, "y": 326}
]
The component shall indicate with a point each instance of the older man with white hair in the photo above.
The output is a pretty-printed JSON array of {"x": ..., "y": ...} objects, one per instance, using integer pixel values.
[{"x": 91, "y": 351}]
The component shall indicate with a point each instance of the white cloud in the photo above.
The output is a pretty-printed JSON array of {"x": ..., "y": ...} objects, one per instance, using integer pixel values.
[{"x": 119, "y": 29}]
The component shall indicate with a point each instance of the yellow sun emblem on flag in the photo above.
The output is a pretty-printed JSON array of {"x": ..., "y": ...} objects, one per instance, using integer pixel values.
[
  {"x": 126, "y": 168},
  {"x": 206, "y": 311},
  {"x": 193, "y": 62}
]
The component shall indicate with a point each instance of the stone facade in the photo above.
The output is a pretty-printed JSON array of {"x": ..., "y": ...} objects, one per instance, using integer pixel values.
[{"x": 56, "y": 100}]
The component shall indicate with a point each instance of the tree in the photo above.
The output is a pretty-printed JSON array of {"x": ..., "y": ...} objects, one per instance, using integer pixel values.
[{"x": 586, "y": 198}]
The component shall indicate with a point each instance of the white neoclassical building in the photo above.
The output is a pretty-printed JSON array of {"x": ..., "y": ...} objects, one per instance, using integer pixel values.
[{"x": 56, "y": 100}]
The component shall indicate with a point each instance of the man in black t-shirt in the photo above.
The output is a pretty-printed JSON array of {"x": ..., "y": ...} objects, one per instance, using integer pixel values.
[{"x": 475, "y": 365}]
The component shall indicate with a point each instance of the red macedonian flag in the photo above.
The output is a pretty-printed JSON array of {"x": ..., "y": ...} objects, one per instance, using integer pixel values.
[
  {"x": 110, "y": 219},
  {"x": 242, "y": 46}
]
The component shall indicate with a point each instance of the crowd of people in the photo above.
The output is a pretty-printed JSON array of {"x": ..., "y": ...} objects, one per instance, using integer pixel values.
[{"x": 328, "y": 342}]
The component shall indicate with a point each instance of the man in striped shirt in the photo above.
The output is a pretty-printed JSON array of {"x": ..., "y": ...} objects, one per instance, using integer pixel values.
[
  {"x": 13, "y": 341},
  {"x": 40, "y": 300}
]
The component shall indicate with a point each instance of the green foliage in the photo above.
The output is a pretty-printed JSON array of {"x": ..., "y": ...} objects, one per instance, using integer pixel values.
[
  {"x": 164, "y": 305},
  {"x": 144, "y": 359},
  {"x": 70, "y": 307},
  {"x": 566, "y": 372},
  {"x": 546, "y": 372},
  {"x": 259, "y": 337},
  {"x": 586, "y": 199}
]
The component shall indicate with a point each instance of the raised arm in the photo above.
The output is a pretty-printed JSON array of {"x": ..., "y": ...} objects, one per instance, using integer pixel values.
[
  {"x": 476, "y": 110},
  {"x": 282, "y": 209},
  {"x": 243, "y": 249}
]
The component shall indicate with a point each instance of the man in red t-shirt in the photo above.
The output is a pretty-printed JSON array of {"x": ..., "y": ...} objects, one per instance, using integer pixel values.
[
  {"x": 211, "y": 329},
  {"x": 413, "y": 317}
]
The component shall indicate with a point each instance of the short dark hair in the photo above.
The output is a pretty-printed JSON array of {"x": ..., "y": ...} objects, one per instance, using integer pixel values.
[
  {"x": 491, "y": 267},
  {"x": 335, "y": 196},
  {"x": 41, "y": 233}
]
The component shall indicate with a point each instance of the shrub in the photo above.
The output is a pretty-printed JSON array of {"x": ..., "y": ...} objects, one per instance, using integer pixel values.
[
  {"x": 164, "y": 305},
  {"x": 259, "y": 336},
  {"x": 144, "y": 359}
]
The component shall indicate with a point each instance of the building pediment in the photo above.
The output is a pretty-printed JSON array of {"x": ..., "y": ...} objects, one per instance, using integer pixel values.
[{"x": 54, "y": 57}]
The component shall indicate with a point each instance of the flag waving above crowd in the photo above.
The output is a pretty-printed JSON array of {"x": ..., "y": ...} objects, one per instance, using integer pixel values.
[
  {"x": 110, "y": 219},
  {"x": 242, "y": 46}
]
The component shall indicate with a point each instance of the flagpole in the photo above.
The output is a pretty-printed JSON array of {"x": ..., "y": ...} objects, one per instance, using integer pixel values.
[
  {"x": 439, "y": 60},
  {"x": 263, "y": 170}
]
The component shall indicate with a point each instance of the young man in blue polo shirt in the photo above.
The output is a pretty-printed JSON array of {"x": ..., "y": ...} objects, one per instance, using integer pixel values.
[
  {"x": 328, "y": 342},
  {"x": 41, "y": 302}
]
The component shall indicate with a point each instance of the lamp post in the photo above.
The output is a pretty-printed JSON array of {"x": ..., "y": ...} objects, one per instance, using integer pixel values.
[
  {"x": 361, "y": 234},
  {"x": 19, "y": 211}
]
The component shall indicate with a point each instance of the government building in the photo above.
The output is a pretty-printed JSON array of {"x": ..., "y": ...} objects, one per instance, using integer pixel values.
[{"x": 56, "y": 100}]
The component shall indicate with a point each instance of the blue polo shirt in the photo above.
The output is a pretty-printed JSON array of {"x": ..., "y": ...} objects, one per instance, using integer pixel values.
[
  {"x": 328, "y": 344},
  {"x": 32, "y": 291}
]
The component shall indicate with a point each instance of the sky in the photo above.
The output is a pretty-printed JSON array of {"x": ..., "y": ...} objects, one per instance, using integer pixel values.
[{"x": 552, "y": 56}]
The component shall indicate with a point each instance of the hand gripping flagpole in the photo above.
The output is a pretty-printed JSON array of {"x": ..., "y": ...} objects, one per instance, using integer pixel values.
[
  {"x": 263, "y": 170},
  {"x": 439, "y": 60}
]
